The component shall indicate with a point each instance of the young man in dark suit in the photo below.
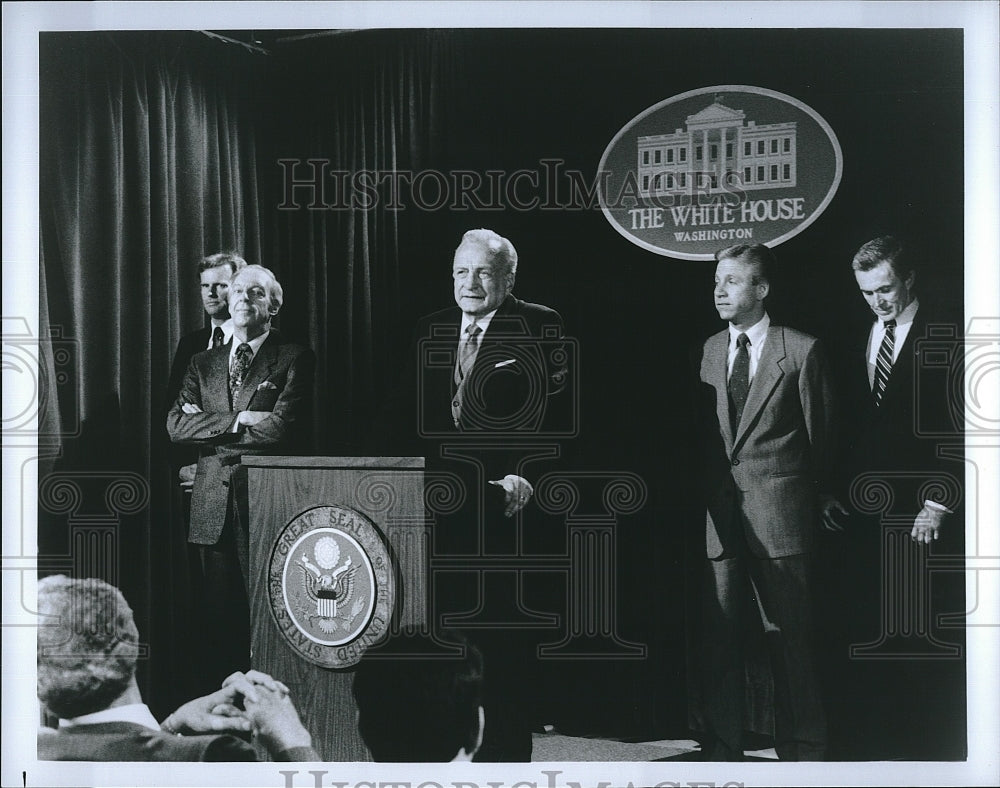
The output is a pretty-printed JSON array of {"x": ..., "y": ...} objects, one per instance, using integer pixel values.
[
  {"x": 897, "y": 675},
  {"x": 765, "y": 426},
  {"x": 88, "y": 644},
  {"x": 252, "y": 396}
]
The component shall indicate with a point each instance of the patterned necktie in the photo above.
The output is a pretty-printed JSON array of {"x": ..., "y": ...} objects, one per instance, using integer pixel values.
[
  {"x": 467, "y": 353},
  {"x": 218, "y": 337},
  {"x": 739, "y": 381},
  {"x": 244, "y": 355},
  {"x": 883, "y": 364}
]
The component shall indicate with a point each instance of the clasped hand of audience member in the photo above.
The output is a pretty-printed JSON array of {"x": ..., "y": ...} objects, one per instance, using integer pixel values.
[
  {"x": 220, "y": 711},
  {"x": 247, "y": 702},
  {"x": 268, "y": 709},
  {"x": 518, "y": 491}
]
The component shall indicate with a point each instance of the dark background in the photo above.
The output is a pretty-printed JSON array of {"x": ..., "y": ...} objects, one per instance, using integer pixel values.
[{"x": 157, "y": 148}]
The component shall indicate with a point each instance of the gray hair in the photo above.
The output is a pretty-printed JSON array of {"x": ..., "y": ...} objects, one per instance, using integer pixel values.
[
  {"x": 87, "y": 645},
  {"x": 500, "y": 251},
  {"x": 275, "y": 294}
]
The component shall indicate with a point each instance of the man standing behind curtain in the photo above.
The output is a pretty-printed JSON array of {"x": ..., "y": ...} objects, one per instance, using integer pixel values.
[
  {"x": 765, "y": 420},
  {"x": 214, "y": 273},
  {"x": 249, "y": 397}
]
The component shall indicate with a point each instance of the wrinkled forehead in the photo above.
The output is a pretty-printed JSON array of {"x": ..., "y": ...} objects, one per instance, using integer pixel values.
[
  {"x": 247, "y": 279},
  {"x": 476, "y": 256}
]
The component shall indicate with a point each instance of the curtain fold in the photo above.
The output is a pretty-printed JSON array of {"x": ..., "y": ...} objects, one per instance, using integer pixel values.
[
  {"x": 147, "y": 163},
  {"x": 378, "y": 111}
]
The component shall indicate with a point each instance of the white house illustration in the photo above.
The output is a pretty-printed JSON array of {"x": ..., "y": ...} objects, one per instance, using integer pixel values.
[{"x": 719, "y": 151}]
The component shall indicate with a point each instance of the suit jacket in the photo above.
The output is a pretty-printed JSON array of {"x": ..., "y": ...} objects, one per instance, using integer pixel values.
[
  {"x": 129, "y": 741},
  {"x": 189, "y": 344},
  {"x": 280, "y": 380},
  {"x": 760, "y": 485},
  {"x": 509, "y": 400},
  {"x": 898, "y": 435}
]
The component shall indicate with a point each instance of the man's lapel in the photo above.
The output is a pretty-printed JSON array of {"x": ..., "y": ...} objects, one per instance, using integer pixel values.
[
  {"x": 262, "y": 366},
  {"x": 901, "y": 374},
  {"x": 215, "y": 393},
  {"x": 505, "y": 326},
  {"x": 768, "y": 374},
  {"x": 719, "y": 374}
]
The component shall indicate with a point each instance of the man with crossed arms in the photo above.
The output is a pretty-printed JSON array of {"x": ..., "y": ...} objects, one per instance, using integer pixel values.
[{"x": 252, "y": 396}]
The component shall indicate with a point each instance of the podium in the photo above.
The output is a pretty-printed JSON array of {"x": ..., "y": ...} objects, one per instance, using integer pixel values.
[{"x": 338, "y": 560}]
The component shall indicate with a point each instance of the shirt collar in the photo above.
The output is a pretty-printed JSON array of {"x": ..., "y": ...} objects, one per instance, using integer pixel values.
[
  {"x": 755, "y": 333},
  {"x": 227, "y": 331},
  {"x": 905, "y": 317},
  {"x": 138, "y": 713},
  {"x": 483, "y": 322},
  {"x": 254, "y": 343}
]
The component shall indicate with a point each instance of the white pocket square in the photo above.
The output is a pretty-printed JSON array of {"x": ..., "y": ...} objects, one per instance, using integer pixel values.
[
  {"x": 504, "y": 363},
  {"x": 267, "y": 384}
]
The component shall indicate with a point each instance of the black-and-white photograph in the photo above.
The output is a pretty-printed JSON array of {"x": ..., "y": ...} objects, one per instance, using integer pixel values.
[{"x": 590, "y": 393}]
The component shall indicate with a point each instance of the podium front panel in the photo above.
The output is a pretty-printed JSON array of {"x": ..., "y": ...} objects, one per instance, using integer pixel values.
[{"x": 388, "y": 492}]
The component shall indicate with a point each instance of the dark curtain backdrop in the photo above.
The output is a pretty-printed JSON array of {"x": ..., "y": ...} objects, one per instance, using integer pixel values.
[
  {"x": 372, "y": 101},
  {"x": 147, "y": 164},
  {"x": 158, "y": 148}
]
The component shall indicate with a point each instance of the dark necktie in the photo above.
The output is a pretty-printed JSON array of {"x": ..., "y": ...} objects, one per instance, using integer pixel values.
[
  {"x": 467, "y": 353},
  {"x": 883, "y": 363},
  {"x": 739, "y": 381},
  {"x": 244, "y": 355},
  {"x": 218, "y": 338}
]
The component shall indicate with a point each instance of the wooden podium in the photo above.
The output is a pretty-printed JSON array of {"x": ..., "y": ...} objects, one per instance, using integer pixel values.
[{"x": 388, "y": 492}]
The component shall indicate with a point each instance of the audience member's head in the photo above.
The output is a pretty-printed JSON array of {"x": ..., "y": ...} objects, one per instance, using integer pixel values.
[
  {"x": 419, "y": 702},
  {"x": 87, "y": 646}
]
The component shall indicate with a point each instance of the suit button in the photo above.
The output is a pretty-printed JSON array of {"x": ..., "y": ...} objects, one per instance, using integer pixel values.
[
  {"x": 735, "y": 461},
  {"x": 454, "y": 404}
]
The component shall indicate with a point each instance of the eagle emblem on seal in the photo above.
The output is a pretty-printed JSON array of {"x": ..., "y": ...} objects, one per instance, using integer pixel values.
[{"x": 329, "y": 586}]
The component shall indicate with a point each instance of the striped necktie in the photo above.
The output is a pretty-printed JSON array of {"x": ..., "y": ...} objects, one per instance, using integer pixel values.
[
  {"x": 883, "y": 364},
  {"x": 467, "y": 353}
]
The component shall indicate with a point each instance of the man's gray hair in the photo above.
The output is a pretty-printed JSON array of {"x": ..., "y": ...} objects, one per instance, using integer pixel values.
[
  {"x": 87, "y": 645},
  {"x": 500, "y": 251}
]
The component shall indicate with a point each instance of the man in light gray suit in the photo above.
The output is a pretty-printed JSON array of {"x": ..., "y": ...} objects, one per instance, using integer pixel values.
[{"x": 765, "y": 420}]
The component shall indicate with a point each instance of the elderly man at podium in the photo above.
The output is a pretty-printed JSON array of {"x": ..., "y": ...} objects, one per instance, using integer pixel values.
[{"x": 477, "y": 401}]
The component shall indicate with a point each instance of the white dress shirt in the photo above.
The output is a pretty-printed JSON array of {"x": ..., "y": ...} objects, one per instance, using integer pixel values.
[
  {"x": 757, "y": 334},
  {"x": 254, "y": 347},
  {"x": 227, "y": 332},
  {"x": 903, "y": 325}
]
